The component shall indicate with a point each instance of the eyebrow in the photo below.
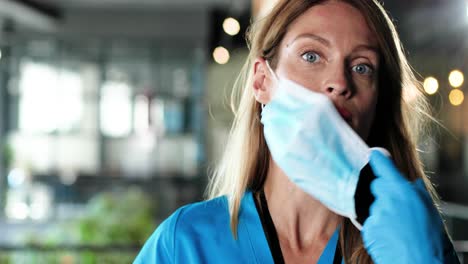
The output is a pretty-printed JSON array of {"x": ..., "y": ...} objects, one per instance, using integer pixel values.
[
  {"x": 327, "y": 43},
  {"x": 367, "y": 48},
  {"x": 312, "y": 36}
]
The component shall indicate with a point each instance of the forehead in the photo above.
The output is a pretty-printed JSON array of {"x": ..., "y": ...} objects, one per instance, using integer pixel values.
[{"x": 336, "y": 21}]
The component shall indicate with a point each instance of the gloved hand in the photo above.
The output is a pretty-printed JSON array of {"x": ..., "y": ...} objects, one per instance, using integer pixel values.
[{"x": 403, "y": 225}]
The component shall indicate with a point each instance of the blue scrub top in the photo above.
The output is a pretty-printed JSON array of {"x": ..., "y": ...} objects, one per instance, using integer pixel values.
[{"x": 200, "y": 233}]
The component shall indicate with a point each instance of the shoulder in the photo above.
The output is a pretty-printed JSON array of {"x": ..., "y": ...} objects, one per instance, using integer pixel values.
[
  {"x": 202, "y": 219},
  {"x": 159, "y": 246},
  {"x": 188, "y": 223},
  {"x": 194, "y": 211}
]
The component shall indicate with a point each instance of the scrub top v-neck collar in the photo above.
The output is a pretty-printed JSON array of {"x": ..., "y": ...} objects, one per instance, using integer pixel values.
[{"x": 251, "y": 229}]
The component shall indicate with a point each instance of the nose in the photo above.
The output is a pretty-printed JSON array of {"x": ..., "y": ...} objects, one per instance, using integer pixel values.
[{"x": 338, "y": 84}]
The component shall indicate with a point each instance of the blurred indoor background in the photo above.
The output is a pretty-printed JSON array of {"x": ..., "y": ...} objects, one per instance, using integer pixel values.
[{"x": 113, "y": 111}]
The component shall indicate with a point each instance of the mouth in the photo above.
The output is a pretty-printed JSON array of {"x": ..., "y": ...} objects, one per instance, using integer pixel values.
[{"x": 345, "y": 114}]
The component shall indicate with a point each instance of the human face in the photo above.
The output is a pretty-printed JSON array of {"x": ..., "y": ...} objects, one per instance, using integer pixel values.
[{"x": 330, "y": 49}]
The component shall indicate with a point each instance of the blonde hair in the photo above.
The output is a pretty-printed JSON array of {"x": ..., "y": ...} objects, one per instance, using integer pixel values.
[{"x": 401, "y": 110}]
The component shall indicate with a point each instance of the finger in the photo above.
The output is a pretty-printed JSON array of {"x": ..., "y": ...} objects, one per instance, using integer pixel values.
[
  {"x": 383, "y": 150},
  {"x": 368, "y": 227},
  {"x": 388, "y": 189},
  {"x": 383, "y": 166}
]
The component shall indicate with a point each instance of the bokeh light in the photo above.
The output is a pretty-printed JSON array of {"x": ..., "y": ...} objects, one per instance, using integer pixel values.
[
  {"x": 221, "y": 55},
  {"x": 456, "y": 78},
  {"x": 456, "y": 97},
  {"x": 431, "y": 85},
  {"x": 231, "y": 26}
]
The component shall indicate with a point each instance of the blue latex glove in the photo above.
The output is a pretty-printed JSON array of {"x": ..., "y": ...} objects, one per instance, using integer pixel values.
[{"x": 403, "y": 224}]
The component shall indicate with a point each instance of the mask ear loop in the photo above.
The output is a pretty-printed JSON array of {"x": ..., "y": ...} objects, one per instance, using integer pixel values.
[
  {"x": 272, "y": 73},
  {"x": 271, "y": 70}
]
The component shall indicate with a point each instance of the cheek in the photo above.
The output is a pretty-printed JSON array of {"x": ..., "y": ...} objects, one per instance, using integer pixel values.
[
  {"x": 300, "y": 75},
  {"x": 367, "y": 107}
]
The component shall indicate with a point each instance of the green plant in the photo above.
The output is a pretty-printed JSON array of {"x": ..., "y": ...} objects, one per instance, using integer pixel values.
[{"x": 109, "y": 219}]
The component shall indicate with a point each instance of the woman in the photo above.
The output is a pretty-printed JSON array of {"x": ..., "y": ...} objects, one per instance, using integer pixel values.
[{"x": 348, "y": 51}]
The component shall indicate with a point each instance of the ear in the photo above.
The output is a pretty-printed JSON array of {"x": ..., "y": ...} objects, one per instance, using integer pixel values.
[{"x": 263, "y": 82}]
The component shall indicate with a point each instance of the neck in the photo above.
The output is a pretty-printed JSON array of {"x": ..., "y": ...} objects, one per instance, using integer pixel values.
[{"x": 300, "y": 220}]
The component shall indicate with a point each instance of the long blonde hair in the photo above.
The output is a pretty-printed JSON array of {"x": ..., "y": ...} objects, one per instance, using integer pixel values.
[{"x": 400, "y": 113}]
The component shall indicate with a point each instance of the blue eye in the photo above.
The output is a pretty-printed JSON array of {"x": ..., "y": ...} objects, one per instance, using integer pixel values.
[
  {"x": 311, "y": 57},
  {"x": 363, "y": 69}
]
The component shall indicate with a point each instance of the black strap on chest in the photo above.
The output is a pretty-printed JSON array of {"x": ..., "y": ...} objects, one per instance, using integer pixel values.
[{"x": 270, "y": 230}]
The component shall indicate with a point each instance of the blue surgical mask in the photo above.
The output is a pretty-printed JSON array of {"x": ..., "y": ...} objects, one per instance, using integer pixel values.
[{"x": 314, "y": 146}]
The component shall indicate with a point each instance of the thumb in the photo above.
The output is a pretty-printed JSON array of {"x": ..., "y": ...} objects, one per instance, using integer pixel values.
[{"x": 383, "y": 166}]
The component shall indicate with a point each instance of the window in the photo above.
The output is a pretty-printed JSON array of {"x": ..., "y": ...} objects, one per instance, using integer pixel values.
[
  {"x": 51, "y": 99},
  {"x": 116, "y": 109}
]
